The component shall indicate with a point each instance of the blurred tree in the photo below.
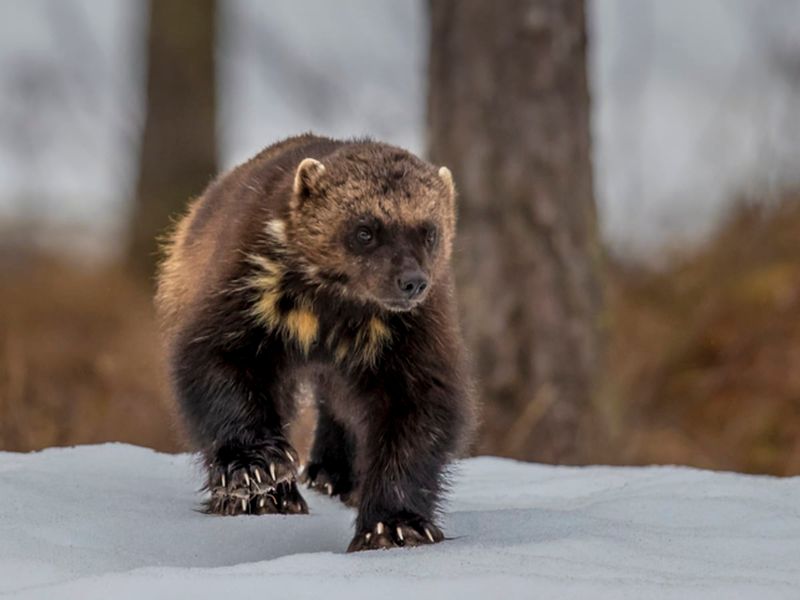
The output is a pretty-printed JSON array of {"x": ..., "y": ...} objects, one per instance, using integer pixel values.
[
  {"x": 509, "y": 114},
  {"x": 178, "y": 155}
]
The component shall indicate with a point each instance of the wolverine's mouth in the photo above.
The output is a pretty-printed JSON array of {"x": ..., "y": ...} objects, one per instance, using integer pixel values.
[{"x": 400, "y": 305}]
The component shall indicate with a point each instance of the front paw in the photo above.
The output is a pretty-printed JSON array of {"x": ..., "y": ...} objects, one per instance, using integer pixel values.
[
  {"x": 255, "y": 480},
  {"x": 245, "y": 496},
  {"x": 396, "y": 533},
  {"x": 269, "y": 463}
]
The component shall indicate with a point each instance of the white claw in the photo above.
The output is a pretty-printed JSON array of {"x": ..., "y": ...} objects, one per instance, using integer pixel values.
[
  {"x": 244, "y": 505},
  {"x": 400, "y": 533},
  {"x": 291, "y": 458},
  {"x": 223, "y": 480},
  {"x": 272, "y": 471},
  {"x": 368, "y": 537},
  {"x": 329, "y": 489},
  {"x": 379, "y": 529},
  {"x": 247, "y": 480},
  {"x": 428, "y": 534},
  {"x": 258, "y": 475},
  {"x": 261, "y": 502}
]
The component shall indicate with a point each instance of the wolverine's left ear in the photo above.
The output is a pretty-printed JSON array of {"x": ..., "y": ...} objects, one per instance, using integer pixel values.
[
  {"x": 447, "y": 177},
  {"x": 308, "y": 173}
]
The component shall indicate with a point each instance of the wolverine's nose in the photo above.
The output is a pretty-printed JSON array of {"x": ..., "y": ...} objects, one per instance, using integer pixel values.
[{"x": 412, "y": 284}]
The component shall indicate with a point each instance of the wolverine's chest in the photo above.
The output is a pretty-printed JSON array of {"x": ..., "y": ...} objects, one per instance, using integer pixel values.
[{"x": 314, "y": 323}]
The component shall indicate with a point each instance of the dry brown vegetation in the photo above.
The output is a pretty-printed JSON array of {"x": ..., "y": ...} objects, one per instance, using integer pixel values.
[
  {"x": 78, "y": 358},
  {"x": 705, "y": 353},
  {"x": 703, "y": 364}
]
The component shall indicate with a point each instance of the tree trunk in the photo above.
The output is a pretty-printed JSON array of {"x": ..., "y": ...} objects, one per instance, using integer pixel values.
[
  {"x": 509, "y": 114},
  {"x": 178, "y": 156}
]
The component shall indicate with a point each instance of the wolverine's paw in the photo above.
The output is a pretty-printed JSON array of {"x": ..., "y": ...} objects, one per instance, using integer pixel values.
[
  {"x": 255, "y": 480},
  {"x": 269, "y": 462},
  {"x": 239, "y": 491},
  {"x": 247, "y": 491},
  {"x": 288, "y": 499},
  {"x": 327, "y": 482},
  {"x": 395, "y": 533}
]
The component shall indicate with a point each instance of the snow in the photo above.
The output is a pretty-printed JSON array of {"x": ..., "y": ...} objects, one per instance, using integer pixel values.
[{"x": 118, "y": 521}]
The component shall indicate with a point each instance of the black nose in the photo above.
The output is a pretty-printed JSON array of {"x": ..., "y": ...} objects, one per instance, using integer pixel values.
[{"x": 412, "y": 284}]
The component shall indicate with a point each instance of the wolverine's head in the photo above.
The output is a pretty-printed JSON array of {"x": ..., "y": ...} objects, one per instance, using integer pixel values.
[{"x": 373, "y": 222}]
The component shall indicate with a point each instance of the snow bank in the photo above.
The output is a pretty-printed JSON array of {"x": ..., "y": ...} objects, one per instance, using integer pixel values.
[{"x": 117, "y": 521}]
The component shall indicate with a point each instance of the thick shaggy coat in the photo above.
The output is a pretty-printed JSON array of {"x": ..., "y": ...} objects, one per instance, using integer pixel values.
[{"x": 323, "y": 261}]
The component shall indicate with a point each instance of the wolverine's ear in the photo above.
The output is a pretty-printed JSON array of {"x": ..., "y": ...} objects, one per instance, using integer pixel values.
[
  {"x": 308, "y": 173},
  {"x": 447, "y": 177}
]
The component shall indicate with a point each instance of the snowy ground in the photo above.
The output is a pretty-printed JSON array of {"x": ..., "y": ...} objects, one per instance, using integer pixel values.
[{"x": 117, "y": 522}]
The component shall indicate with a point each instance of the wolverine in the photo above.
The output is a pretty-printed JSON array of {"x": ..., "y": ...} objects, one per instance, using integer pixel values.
[{"x": 326, "y": 263}]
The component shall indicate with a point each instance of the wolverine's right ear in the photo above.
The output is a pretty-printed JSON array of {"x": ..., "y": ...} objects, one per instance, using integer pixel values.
[
  {"x": 308, "y": 173},
  {"x": 447, "y": 178}
]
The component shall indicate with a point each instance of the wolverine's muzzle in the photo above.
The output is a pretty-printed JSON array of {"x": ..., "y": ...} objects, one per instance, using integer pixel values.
[
  {"x": 412, "y": 284},
  {"x": 410, "y": 289}
]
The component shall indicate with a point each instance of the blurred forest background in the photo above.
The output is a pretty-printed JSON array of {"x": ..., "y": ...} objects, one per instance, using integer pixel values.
[{"x": 629, "y": 251}]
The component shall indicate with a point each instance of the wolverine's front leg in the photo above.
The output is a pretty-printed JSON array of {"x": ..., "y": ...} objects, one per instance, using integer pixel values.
[
  {"x": 237, "y": 405},
  {"x": 413, "y": 431}
]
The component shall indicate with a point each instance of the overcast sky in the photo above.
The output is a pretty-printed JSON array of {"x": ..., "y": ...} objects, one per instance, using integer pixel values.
[{"x": 689, "y": 105}]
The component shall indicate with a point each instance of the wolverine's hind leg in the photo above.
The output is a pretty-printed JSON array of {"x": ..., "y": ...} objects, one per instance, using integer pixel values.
[
  {"x": 330, "y": 466},
  {"x": 236, "y": 407}
]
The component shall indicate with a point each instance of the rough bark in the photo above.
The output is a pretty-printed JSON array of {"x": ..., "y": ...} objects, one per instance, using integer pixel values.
[
  {"x": 509, "y": 114},
  {"x": 178, "y": 153}
]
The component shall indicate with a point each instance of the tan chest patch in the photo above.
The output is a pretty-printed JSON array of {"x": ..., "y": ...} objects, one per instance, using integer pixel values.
[
  {"x": 361, "y": 344},
  {"x": 371, "y": 339},
  {"x": 302, "y": 326},
  {"x": 267, "y": 281}
]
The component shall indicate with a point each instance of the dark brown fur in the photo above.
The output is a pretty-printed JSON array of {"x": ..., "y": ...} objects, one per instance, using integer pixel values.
[{"x": 269, "y": 280}]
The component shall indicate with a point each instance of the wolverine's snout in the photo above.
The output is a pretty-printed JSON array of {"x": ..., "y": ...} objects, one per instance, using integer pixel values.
[{"x": 412, "y": 284}]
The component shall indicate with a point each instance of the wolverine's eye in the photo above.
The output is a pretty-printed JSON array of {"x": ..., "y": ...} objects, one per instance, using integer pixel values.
[
  {"x": 364, "y": 235},
  {"x": 431, "y": 235}
]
